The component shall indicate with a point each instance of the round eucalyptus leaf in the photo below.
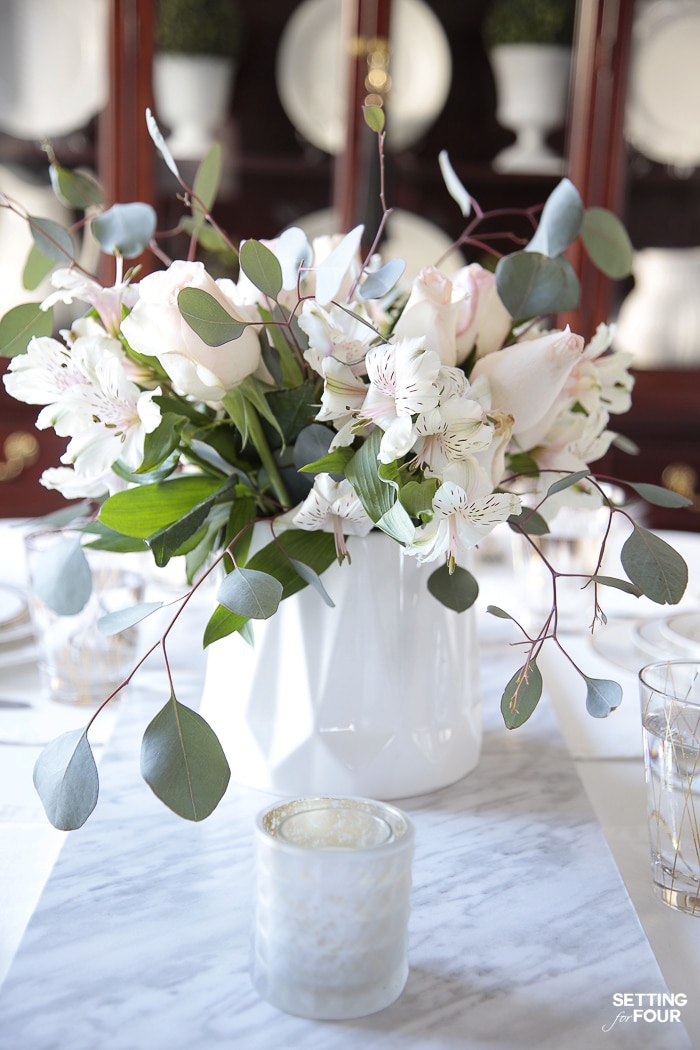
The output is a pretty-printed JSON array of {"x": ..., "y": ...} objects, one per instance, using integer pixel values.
[
  {"x": 522, "y": 695},
  {"x": 125, "y": 229},
  {"x": 65, "y": 777},
  {"x": 183, "y": 762},
  {"x": 61, "y": 577},
  {"x": 602, "y": 696},
  {"x": 457, "y": 590},
  {"x": 560, "y": 221},
  {"x": 531, "y": 284},
  {"x": 250, "y": 593}
]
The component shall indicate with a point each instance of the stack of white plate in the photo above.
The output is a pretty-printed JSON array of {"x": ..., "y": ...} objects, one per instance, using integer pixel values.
[{"x": 16, "y": 636}]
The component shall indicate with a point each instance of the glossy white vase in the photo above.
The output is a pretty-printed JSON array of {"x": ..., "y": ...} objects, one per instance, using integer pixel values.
[
  {"x": 377, "y": 697},
  {"x": 532, "y": 83},
  {"x": 192, "y": 95}
]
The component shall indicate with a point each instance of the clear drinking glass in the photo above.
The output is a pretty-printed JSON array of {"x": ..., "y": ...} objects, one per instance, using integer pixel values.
[
  {"x": 330, "y": 930},
  {"x": 670, "y": 696},
  {"x": 79, "y": 664}
]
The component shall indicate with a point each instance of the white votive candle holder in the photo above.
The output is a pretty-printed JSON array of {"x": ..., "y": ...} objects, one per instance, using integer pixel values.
[{"x": 330, "y": 934}]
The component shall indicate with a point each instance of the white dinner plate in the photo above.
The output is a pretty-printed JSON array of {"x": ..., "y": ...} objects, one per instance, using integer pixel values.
[
  {"x": 683, "y": 631},
  {"x": 312, "y": 73},
  {"x": 13, "y": 609},
  {"x": 663, "y": 100},
  {"x": 53, "y": 65}
]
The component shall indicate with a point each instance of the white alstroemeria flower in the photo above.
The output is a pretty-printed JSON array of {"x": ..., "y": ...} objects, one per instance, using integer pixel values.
[
  {"x": 464, "y": 513},
  {"x": 342, "y": 399},
  {"x": 334, "y": 333},
  {"x": 42, "y": 374},
  {"x": 454, "y": 431},
  {"x": 403, "y": 383},
  {"x": 72, "y": 485},
  {"x": 333, "y": 506},
  {"x": 72, "y": 285},
  {"x": 107, "y": 416}
]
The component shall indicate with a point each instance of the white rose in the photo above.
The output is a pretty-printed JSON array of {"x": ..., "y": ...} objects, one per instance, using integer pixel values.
[
  {"x": 432, "y": 314},
  {"x": 528, "y": 380},
  {"x": 484, "y": 321},
  {"x": 155, "y": 327}
]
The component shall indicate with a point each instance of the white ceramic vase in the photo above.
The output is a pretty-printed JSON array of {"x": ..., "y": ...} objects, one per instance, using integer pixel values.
[
  {"x": 378, "y": 697},
  {"x": 192, "y": 95},
  {"x": 531, "y": 93}
]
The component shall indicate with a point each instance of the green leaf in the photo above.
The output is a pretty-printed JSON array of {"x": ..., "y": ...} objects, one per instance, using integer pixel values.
[
  {"x": 76, "y": 189},
  {"x": 262, "y": 267},
  {"x": 52, "y": 240},
  {"x": 417, "y": 497},
  {"x": 114, "y": 623},
  {"x": 374, "y": 118},
  {"x": 159, "y": 444},
  {"x": 602, "y": 696},
  {"x": 207, "y": 317},
  {"x": 143, "y": 511},
  {"x": 654, "y": 566},
  {"x": 560, "y": 221},
  {"x": 334, "y": 463},
  {"x": 181, "y": 535},
  {"x": 619, "y": 585},
  {"x": 65, "y": 777},
  {"x": 457, "y": 590},
  {"x": 531, "y": 285},
  {"x": 495, "y": 610},
  {"x": 522, "y": 695},
  {"x": 397, "y": 523},
  {"x": 362, "y": 472},
  {"x": 20, "y": 324},
  {"x": 183, "y": 762},
  {"x": 453, "y": 184},
  {"x": 250, "y": 593},
  {"x": 108, "y": 540},
  {"x": 315, "y": 549},
  {"x": 567, "y": 482},
  {"x": 522, "y": 463},
  {"x": 206, "y": 185},
  {"x": 61, "y": 577},
  {"x": 658, "y": 495},
  {"x": 278, "y": 333},
  {"x": 125, "y": 229},
  {"x": 36, "y": 268},
  {"x": 607, "y": 242},
  {"x": 529, "y": 522}
]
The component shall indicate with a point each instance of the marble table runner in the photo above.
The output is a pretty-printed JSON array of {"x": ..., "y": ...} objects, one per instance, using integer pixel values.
[{"x": 521, "y": 930}]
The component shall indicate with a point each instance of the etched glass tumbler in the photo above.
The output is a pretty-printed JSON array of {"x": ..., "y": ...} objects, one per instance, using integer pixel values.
[
  {"x": 330, "y": 929},
  {"x": 670, "y": 695}
]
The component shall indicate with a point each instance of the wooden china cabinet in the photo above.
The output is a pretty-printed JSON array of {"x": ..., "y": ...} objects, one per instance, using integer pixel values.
[{"x": 274, "y": 176}]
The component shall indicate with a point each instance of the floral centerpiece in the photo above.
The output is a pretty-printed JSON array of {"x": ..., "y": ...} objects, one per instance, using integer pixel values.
[{"x": 314, "y": 392}]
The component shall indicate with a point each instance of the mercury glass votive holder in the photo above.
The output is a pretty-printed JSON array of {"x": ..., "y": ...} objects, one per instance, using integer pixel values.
[{"x": 333, "y": 884}]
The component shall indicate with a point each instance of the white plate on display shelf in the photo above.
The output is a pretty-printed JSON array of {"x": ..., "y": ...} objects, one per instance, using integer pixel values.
[
  {"x": 312, "y": 73},
  {"x": 663, "y": 100}
]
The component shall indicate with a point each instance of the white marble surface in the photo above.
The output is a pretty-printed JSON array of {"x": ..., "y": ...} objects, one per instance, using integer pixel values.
[{"x": 521, "y": 929}]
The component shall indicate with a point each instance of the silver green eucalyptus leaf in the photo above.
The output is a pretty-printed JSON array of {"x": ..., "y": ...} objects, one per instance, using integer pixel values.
[
  {"x": 206, "y": 184},
  {"x": 61, "y": 577},
  {"x": 261, "y": 266},
  {"x": 65, "y": 777},
  {"x": 654, "y": 566},
  {"x": 560, "y": 222},
  {"x": 607, "y": 242},
  {"x": 250, "y": 593},
  {"x": 532, "y": 285},
  {"x": 20, "y": 324},
  {"x": 52, "y": 240},
  {"x": 183, "y": 762},
  {"x": 122, "y": 619},
  {"x": 377, "y": 284},
  {"x": 36, "y": 268},
  {"x": 602, "y": 696},
  {"x": 125, "y": 229},
  {"x": 311, "y": 577},
  {"x": 207, "y": 317},
  {"x": 456, "y": 590},
  {"x": 77, "y": 189},
  {"x": 567, "y": 482},
  {"x": 658, "y": 495},
  {"x": 522, "y": 695}
]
